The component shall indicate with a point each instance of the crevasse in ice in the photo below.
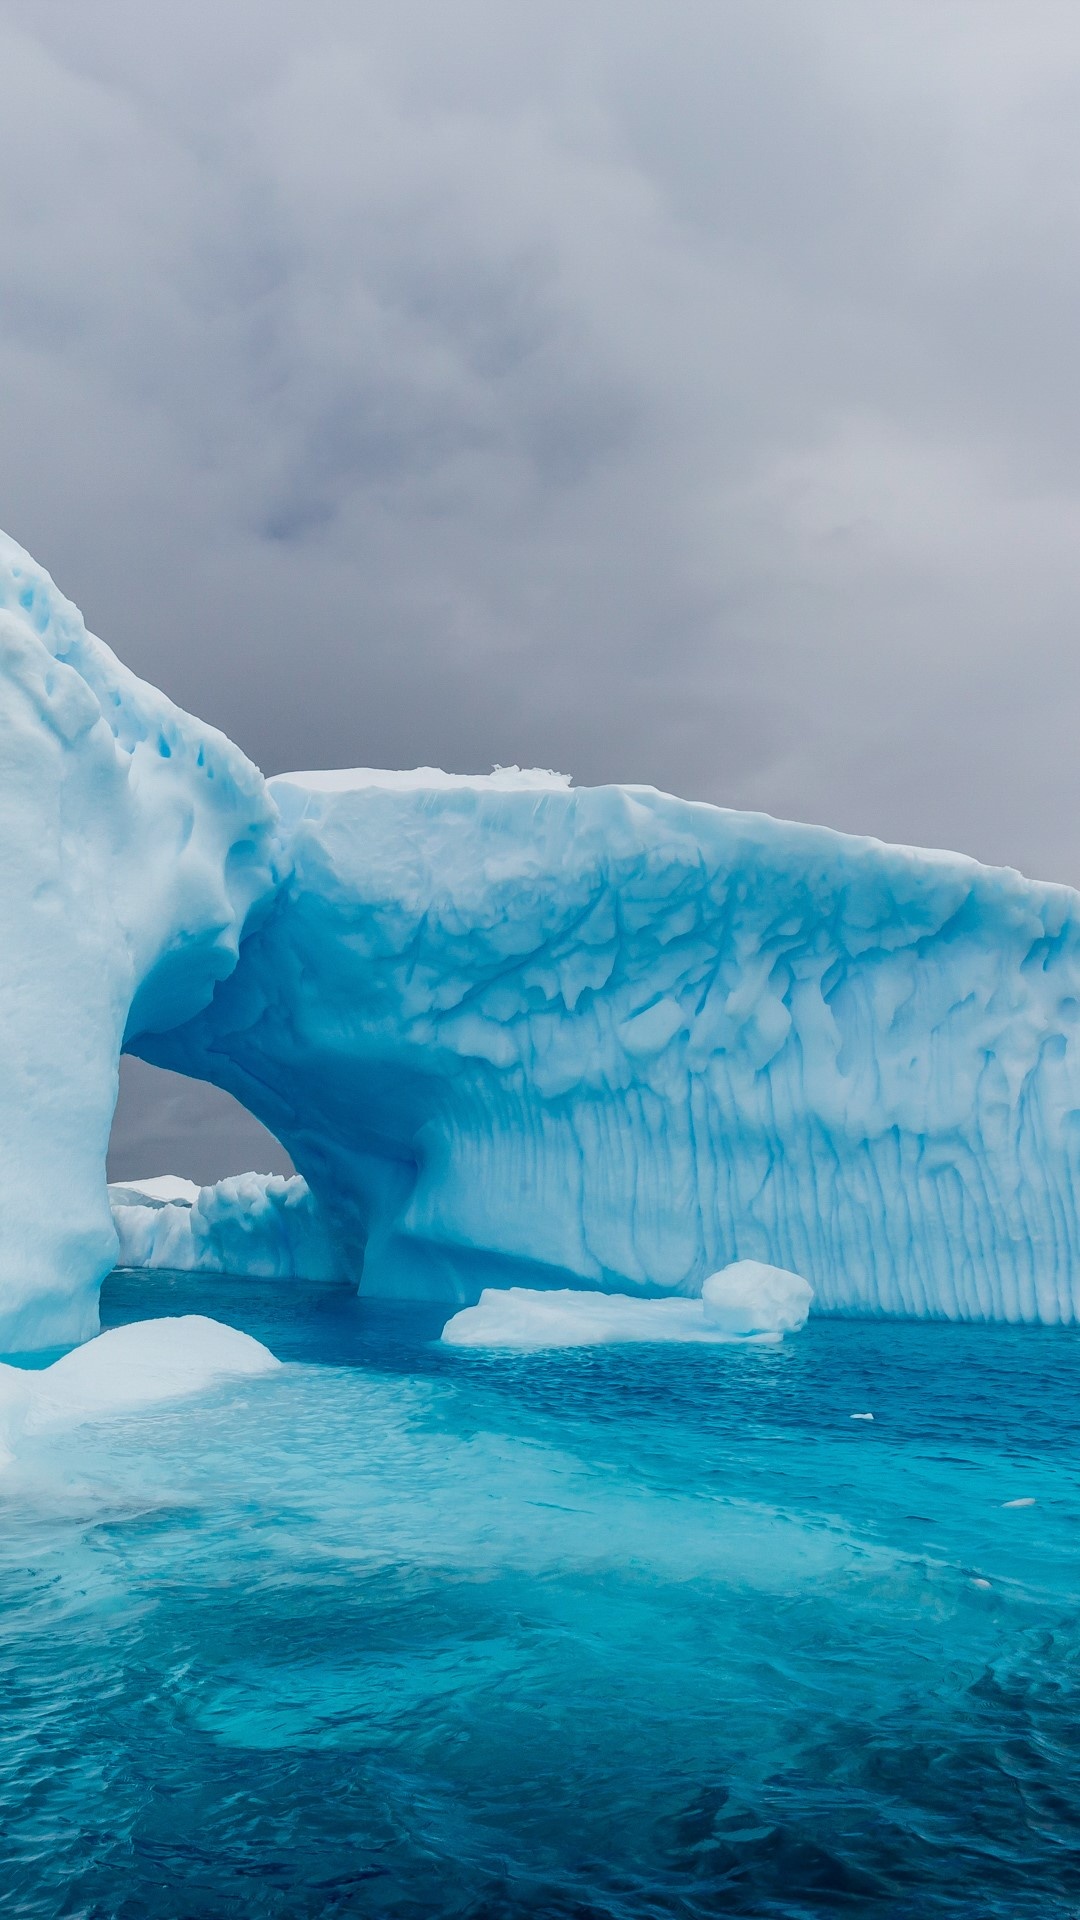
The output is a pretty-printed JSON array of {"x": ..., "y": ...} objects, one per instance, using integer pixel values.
[{"x": 517, "y": 1034}]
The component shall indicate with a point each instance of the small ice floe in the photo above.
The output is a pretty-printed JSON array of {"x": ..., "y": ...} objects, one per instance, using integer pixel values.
[
  {"x": 860, "y": 1416},
  {"x": 748, "y": 1303},
  {"x": 1027, "y": 1501},
  {"x": 127, "y": 1368}
]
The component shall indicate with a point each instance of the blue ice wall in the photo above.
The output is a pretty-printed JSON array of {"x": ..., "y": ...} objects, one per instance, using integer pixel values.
[{"x": 513, "y": 1033}]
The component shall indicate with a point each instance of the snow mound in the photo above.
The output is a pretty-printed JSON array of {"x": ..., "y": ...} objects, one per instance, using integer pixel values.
[
  {"x": 125, "y": 1369},
  {"x": 748, "y": 1302}
]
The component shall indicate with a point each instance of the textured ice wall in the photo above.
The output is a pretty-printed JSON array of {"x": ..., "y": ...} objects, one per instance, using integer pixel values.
[
  {"x": 257, "y": 1223},
  {"x": 133, "y": 843},
  {"x": 516, "y": 1034}
]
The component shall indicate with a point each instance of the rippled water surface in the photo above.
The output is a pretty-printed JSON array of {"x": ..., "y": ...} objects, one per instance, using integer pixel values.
[{"x": 410, "y": 1632}]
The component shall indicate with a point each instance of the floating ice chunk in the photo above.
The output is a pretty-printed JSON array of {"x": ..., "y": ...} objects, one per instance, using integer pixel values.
[
  {"x": 750, "y": 1297},
  {"x": 124, "y": 1369},
  {"x": 526, "y": 1318}
]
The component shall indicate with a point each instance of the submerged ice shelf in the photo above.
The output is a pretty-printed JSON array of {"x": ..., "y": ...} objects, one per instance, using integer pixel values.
[{"x": 513, "y": 1033}]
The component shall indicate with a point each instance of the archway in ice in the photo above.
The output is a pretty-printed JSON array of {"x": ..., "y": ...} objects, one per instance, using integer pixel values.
[{"x": 166, "y": 1122}]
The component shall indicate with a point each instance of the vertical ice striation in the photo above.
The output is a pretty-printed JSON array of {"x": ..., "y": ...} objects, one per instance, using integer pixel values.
[
  {"x": 133, "y": 843},
  {"x": 517, "y": 1034}
]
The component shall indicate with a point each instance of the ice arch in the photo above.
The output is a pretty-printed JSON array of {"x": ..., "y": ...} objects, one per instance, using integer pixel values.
[{"x": 515, "y": 1033}]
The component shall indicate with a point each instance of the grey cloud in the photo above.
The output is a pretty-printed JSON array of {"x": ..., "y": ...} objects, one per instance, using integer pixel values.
[{"x": 678, "y": 394}]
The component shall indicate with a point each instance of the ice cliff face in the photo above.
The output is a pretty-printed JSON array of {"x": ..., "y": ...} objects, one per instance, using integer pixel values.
[
  {"x": 517, "y": 1034},
  {"x": 134, "y": 842}
]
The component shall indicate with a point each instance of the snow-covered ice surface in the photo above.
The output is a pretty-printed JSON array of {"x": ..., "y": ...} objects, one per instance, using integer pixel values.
[
  {"x": 163, "y": 1190},
  {"x": 134, "y": 840},
  {"x": 402, "y": 1629},
  {"x": 257, "y": 1223},
  {"x": 426, "y": 780},
  {"x": 746, "y": 1301},
  {"x": 605, "y": 1038}
]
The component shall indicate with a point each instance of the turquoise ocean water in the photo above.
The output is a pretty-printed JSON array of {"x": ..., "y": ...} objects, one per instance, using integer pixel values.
[{"x": 417, "y": 1632}]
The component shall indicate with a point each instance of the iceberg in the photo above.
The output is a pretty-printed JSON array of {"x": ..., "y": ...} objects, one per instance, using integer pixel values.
[
  {"x": 513, "y": 1033},
  {"x": 747, "y": 1303},
  {"x": 261, "y": 1224},
  {"x": 134, "y": 844}
]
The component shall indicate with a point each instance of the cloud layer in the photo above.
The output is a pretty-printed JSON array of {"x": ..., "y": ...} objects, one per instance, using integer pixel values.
[{"x": 676, "y": 394}]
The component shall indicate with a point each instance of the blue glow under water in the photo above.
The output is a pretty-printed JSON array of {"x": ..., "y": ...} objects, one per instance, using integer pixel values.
[{"x": 626, "y": 1632}]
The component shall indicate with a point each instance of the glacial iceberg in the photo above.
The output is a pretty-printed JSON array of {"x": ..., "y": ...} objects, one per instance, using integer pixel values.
[
  {"x": 134, "y": 842},
  {"x": 517, "y": 1034},
  {"x": 257, "y": 1223},
  {"x": 746, "y": 1304}
]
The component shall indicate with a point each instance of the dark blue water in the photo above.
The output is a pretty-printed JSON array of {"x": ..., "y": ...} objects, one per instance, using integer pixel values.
[{"x": 410, "y": 1632}]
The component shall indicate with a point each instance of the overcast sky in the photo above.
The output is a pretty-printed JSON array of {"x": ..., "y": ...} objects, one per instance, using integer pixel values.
[{"x": 684, "y": 394}]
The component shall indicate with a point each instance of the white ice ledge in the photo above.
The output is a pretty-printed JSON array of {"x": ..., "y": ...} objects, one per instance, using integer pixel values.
[{"x": 747, "y": 1302}]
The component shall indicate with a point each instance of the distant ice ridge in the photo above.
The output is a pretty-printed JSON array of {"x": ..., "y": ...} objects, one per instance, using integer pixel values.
[
  {"x": 140, "y": 1365},
  {"x": 257, "y": 1223},
  {"x": 746, "y": 1303},
  {"x": 134, "y": 843},
  {"x": 607, "y": 1039}
]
